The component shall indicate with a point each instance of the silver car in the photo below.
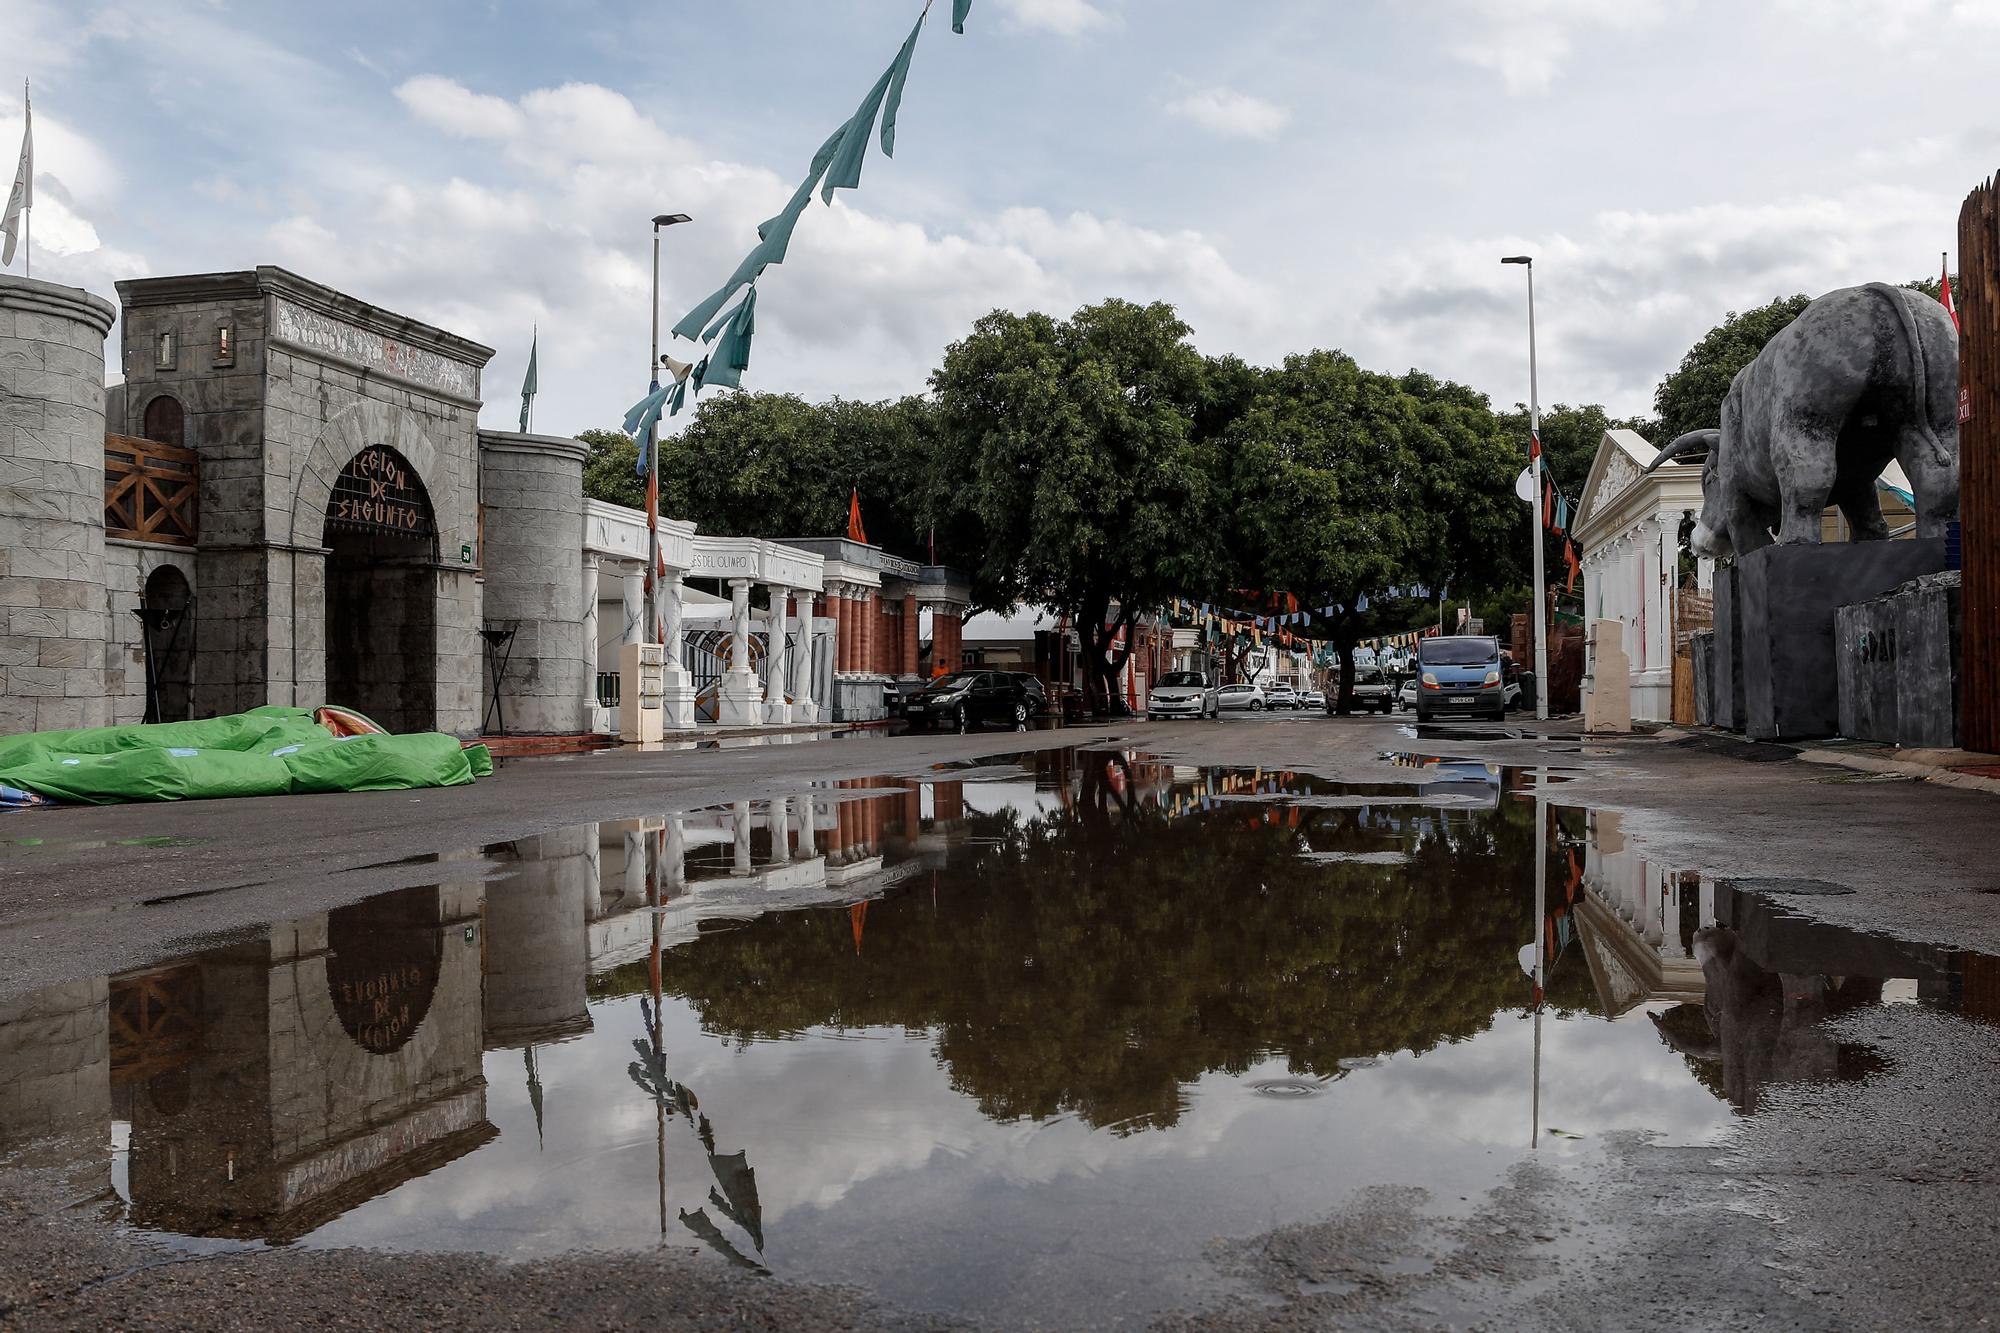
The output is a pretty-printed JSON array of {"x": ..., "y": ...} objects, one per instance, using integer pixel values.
[
  {"x": 1240, "y": 696},
  {"x": 1182, "y": 694}
]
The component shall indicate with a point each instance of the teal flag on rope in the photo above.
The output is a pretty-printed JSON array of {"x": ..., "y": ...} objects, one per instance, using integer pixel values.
[{"x": 959, "y": 9}]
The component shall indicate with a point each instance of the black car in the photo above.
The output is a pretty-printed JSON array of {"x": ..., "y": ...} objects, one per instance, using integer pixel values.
[{"x": 963, "y": 698}]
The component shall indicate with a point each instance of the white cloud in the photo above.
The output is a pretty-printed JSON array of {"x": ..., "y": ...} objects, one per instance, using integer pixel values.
[
  {"x": 1068, "y": 18},
  {"x": 1526, "y": 42},
  {"x": 1232, "y": 114},
  {"x": 445, "y": 105}
]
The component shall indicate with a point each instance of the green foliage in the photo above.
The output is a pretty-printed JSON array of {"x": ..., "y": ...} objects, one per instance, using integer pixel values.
[
  {"x": 1069, "y": 449},
  {"x": 774, "y": 465},
  {"x": 1691, "y": 397},
  {"x": 1348, "y": 487},
  {"x": 610, "y": 472}
]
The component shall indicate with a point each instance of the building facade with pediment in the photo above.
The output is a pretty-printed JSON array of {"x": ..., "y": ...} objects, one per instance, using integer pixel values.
[
  {"x": 1627, "y": 533},
  {"x": 288, "y": 501}
]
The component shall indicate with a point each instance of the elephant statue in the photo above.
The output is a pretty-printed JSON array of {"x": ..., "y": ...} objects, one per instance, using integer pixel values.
[{"x": 1863, "y": 375}]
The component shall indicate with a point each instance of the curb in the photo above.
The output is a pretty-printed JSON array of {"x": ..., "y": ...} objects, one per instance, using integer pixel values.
[{"x": 1935, "y": 773}]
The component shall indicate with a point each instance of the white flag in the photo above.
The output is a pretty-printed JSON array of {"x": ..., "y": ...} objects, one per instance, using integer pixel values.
[{"x": 23, "y": 196}]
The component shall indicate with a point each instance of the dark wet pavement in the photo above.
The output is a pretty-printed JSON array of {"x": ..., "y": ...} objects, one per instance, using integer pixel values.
[{"x": 1018, "y": 1040}]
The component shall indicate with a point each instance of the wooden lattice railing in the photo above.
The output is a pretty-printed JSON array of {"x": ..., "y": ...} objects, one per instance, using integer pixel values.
[{"x": 149, "y": 490}]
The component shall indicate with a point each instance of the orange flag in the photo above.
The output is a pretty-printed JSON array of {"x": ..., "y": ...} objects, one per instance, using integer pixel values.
[{"x": 855, "y": 532}]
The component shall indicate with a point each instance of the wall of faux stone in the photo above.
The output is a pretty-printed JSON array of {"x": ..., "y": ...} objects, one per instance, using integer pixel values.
[
  {"x": 51, "y": 506},
  {"x": 127, "y": 566},
  {"x": 55, "y": 1076},
  {"x": 537, "y": 939},
  {"x": 533, "y": 565},
  {"x": 276, "y": 411}
]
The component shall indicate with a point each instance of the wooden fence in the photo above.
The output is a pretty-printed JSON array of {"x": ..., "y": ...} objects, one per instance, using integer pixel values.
[
  {"x": 1694, "y": 611},
  {"x": 150, "y": 490},
  {"x": 1978, "y": 299}
]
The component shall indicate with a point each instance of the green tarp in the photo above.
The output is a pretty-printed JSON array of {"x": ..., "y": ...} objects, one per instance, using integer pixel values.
[{"x": 264, "y": 752}]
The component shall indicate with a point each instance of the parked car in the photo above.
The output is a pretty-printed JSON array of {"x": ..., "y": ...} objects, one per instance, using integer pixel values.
[
  {"x": 1406, "y": 697},
  {"x": 1371, "y": 692},
  {"x": 1182, "y": 694},
  {"x": 1312, "y": 699},
  {"x": 1460, "y": 674},
  {"x": 1247, "y": 697},
  {"x": 964, "y": 698},
  {"x": 1281, "y": 695}
]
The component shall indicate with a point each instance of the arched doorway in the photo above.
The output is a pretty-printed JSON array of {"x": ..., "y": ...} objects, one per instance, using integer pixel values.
[
  {"x": 381, "y": 592},
  {"x": 165, "y": 608},
  {"x": 165, "y": 421}
]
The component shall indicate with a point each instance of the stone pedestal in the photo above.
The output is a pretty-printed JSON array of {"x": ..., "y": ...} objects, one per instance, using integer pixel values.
[
  {"x": 1897, "y": 660},
  {"x": 1726, "y": 684},
  {"x": 1702, "y": 654},
  {"x": 1607, "y": 707},
  {"x": 1789, "y": 596},
  {"x": 52, "y": 616}
]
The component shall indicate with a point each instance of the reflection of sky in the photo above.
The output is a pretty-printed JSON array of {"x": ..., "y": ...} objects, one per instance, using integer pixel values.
[
  {"x": 871, "y": 1169},
  {"x": 987, "y": 798}
]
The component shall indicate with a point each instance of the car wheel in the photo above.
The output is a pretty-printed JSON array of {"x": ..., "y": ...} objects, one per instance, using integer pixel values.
[
  {"x": 1020, "y": 712},
  {"x": 1256, "y": 705}
]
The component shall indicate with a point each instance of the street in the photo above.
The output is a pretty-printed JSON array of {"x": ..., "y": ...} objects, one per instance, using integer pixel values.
[{"x": 1315, "y": 1091}]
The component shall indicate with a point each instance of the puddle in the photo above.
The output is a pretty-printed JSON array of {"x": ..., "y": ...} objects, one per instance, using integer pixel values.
[{"x": 1014, "y": 1043}]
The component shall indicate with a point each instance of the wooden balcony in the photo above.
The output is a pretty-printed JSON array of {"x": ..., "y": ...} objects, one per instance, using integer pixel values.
[{"x": 150, "y": 490}]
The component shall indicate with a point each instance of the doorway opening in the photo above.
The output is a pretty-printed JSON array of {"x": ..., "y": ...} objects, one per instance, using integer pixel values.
[
  {"x": 166, "y": 605},
  {"x": 381, "y": 592}
]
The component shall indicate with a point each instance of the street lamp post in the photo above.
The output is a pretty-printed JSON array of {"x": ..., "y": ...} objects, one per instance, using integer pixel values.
[
  {"x": 1535, "y": 502},
  {"x": 653, "y": 570}
]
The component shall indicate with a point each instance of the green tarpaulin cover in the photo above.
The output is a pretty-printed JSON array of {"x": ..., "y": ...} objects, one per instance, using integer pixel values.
[{"x": 264, "y": 752}]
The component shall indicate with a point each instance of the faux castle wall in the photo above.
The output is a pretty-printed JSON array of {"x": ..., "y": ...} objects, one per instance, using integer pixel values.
[
  {"x": 52, "y": 612},
  {"x": 532, "y": 487}
]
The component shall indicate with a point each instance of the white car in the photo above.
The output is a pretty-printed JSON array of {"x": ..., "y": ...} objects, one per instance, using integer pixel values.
[
  {"x": 1247, "y": 697},
  {"x": 1182, "y": 694},
  {"x": 1281, "y": 695},
  {"x": 1312, "y": 699},
  {"x": 1406, "y": 698}
]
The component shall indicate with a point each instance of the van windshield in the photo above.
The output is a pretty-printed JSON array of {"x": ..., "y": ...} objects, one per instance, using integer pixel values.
[{"x": 1459, "y": 651}]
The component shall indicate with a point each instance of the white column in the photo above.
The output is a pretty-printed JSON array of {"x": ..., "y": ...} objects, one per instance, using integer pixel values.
[
  {"x": 804, "y": 708},
  {"x": 678, "y": 698},
  {"x": 740, "y": 829},
  {"x": 781, "y": 829},
  {"x": 741, "y": 702},
  {"x": 778, "y": 674},
  {"x": 635, "y": 870},
  {"x": 587, "y": 705},
  {"x": 808, "y": 826},
  {"x": 633, "y": 582}
]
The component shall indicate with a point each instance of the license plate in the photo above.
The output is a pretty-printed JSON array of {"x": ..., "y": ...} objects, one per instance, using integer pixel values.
[{"x": 1464, "y": 699}]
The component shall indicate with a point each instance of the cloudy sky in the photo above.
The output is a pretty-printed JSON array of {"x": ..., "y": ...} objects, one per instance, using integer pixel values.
[{"x": 1290, "y": 173}]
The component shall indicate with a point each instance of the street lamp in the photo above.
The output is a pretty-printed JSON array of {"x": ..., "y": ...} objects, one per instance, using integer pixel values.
[
  {"x": 651, "y": 619},
  {"x": 1535, "y": 512}
]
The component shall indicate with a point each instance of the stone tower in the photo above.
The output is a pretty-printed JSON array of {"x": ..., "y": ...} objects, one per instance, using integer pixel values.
[{"x": 52, "y": 606}]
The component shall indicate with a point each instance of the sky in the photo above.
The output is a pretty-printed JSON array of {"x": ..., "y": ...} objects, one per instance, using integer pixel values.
[{"x": 1289, "y": 174}]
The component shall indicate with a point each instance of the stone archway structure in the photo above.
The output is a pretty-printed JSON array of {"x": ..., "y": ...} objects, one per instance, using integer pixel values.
[{"x": 443, "y": 678}]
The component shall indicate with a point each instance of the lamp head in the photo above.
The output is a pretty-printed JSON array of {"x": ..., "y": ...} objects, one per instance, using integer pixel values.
[
  {"x": 669, "y": 219},
  {"x": 1518, "y": 259}
]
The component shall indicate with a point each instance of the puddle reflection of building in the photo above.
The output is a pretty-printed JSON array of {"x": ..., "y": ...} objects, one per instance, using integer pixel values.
[
  {"x": 821, "y": 847},
  {"x": 55, "y": 1082},
  {"x": 1750, "y": 983}
]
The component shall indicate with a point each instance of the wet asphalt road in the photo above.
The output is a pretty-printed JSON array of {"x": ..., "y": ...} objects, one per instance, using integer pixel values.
[{"x": 1869, "y": 1204}]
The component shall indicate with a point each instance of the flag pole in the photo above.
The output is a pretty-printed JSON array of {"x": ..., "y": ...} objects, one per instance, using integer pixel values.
[{"x": 28, "y": 208}]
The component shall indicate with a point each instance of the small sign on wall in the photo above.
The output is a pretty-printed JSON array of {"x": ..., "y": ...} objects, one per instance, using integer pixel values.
[
  {"x": 1964, "y": 404},
  {"x": 465, "y": 553}
]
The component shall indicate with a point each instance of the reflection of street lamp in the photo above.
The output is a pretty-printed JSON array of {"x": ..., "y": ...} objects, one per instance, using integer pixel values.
[
  {"x": 1535, "y": 518},
  {"x": 651, "y": 618}
]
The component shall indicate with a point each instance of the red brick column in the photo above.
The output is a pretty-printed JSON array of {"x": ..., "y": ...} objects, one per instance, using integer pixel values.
[{"x": 909, "y": 663}]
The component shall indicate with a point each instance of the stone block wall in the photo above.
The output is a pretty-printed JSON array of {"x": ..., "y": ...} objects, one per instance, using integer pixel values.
[
  {"x": 532, "y": 486},
  {"x": 127, "y": 566},
  {"x": 55, "y": 1073},
  {"x": 1898, "y": 665},
  {"x": 537, "y": 964},
  {"x": 51, "y": 506}
]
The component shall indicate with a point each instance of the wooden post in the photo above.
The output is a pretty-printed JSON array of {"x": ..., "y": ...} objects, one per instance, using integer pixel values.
[{"x": 1978, "y": 298}]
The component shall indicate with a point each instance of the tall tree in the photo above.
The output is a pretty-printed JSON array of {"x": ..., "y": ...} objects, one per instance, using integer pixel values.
[
  {"x": 611, "y": 470},
  {"x": 1070, "y": 447},
  {"x": 1363, "y": 492}
]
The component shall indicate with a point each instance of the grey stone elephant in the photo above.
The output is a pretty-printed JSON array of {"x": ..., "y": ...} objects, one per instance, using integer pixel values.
[{"x": 1863, "y": 375}]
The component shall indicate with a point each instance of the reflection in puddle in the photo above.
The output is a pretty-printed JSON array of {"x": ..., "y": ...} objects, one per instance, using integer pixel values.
[{"x": 1090, "y": 1009}]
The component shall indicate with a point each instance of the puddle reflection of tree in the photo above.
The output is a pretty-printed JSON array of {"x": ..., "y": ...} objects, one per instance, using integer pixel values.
[{"x": 1095, "y": 958}]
